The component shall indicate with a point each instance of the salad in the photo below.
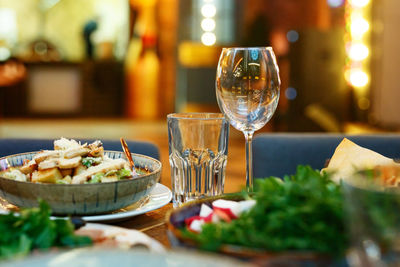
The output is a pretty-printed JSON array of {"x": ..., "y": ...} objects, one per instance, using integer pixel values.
[
  {"x": 302, "y": 212},
  {"x": 72, "y": 163}
]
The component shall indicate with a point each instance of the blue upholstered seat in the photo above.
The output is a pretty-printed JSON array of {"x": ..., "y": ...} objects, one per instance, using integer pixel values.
[
  {"x": 9, "y": 146},
  {"x": 279, "y": 154}
]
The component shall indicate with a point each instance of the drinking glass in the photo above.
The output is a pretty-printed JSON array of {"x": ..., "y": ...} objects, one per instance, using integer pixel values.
[
  {"x": 372, "y": 217},
  {"x": 198, "y": 148},
  {"x": 247, "y": 87}
]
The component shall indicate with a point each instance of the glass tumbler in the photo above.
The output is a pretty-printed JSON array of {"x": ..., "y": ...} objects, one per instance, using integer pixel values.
[{"x": 198, "y": 148}]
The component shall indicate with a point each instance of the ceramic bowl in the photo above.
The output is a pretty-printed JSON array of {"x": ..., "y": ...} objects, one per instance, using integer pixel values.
[{"x": 82, "y": 199}]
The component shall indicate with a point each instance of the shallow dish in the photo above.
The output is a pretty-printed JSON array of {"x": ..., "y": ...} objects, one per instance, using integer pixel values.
[
  {"x": 82, "y": 199},
  {"x": 176, "y": 220}
]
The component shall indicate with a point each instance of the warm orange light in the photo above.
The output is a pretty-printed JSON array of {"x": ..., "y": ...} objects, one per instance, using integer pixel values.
[{"x": 359, "y": 3}]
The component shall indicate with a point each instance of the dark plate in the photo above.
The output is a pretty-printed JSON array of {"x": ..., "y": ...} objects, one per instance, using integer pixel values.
[{"x": 176, "y": 221}]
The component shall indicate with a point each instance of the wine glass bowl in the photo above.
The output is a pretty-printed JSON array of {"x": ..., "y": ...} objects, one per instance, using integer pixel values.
[{"x": 247, "y": 88}]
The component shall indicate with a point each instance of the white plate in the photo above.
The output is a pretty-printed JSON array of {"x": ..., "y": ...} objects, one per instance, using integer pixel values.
[
  {"x": 158, "y": 197},
  {"x": 125, "y": 238},
  {"x": 125, "y": 258}
]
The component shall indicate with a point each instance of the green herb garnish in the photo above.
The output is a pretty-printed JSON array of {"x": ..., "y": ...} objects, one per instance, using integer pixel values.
[
  {"x": 89, "y": 161},
  {"x": 123, "y": 173},
  {"x": 33, "y": 229},
  {"x": 304, "y": 212},
  {"x": 62, "y": 181},
  {"x": 96, "y": 178}
]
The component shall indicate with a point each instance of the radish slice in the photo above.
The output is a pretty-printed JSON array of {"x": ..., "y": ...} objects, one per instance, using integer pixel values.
[
  {"x": 212, "y": 218},
  {"x": 215, "y": 218},
  {"x": 208, "y": 218},
  {"x": 246, "y": 205},
  {"x": 223, "y": 215},
  {"x": 196, "y": 225},
  {"x": 188, "y": 221},
  {"x": 205, "y": 210},
  {"x": 231, "y": 208},
  {"x": 225, "y": 210}
]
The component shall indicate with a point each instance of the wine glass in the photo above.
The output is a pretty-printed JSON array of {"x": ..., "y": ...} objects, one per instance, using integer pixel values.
[{"x": 247, "y": 87}]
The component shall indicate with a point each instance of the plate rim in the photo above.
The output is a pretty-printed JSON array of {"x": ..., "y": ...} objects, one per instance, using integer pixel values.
[
  {"x": 154, "y": 244},
  {"x": 123, "y": 215},
  {"x": 114, "y": 217}
]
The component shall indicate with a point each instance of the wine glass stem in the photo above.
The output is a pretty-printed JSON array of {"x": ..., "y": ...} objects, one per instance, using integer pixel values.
[{"x": 249, "y": 160}]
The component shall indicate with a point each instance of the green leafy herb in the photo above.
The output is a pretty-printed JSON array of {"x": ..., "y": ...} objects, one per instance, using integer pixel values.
[
  {"x": 96, "y": 178},
  {"x": 62, "y": 181},
  {"x": 33, "y": 229},
  {"x": 123, "y": 173},
  {"x": 304, "y": 212},
  {"x": 89, "y": 161}
]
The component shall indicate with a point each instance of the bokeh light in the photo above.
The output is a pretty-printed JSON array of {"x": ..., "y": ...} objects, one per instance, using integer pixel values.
[
  {"x": 358, "y": 52},
  {"x": 359, "y": 26},
  {"x": 335, "y": 3},
  {"x": 208, "y": 10},
  {"x": 208, "y": 24},
  {"x": 358, "y": 78},
  {"x": 208, "y": 38},
  {"x": 359, "y": 3},
  {"x": 290, "y": 93},
  {"x": 357, "y": 42},
  {"x": 292, "y": 36},
  {"x": 363, "y": 103}
]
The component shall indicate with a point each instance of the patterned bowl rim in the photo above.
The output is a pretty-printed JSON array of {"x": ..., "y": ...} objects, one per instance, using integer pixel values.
[{"x": 141, "y": 177}]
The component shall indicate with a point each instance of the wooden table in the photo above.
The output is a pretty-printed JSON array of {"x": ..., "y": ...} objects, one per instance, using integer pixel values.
[{"x": 152, "y": 223}]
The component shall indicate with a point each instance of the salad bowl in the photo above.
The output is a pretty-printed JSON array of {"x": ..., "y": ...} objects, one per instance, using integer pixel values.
[{"x": 81, "y": 199}]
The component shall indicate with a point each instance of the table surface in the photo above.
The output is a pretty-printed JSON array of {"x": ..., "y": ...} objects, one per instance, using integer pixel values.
[{"x": 152, "y": 223}]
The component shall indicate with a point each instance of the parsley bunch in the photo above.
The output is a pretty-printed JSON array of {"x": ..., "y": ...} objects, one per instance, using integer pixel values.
[{"x": 33, "y": 229}]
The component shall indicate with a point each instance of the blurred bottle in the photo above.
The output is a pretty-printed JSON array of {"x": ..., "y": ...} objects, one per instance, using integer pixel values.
[
  {"x": 88, "y": 30},
  {"x": 132, "y": 57},
  {"x": 145, "y": 104},
  {"x": 142, "y": 66}
]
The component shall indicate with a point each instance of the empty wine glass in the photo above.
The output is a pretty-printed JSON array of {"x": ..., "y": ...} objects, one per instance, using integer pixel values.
[{"x": 247, "y": 87}]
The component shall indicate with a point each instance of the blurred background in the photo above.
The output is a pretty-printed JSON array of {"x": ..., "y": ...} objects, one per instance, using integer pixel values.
[{"x": 138, "y": 60}]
